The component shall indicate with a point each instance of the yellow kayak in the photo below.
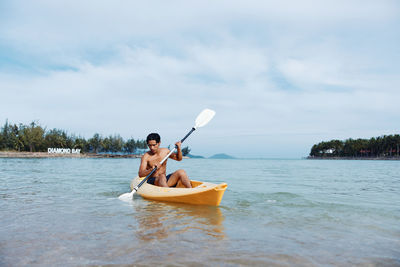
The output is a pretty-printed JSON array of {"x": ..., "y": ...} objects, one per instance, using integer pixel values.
[{"x": 201, "y": 193}]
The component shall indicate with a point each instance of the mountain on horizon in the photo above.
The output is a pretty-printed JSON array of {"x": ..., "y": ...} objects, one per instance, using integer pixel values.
[{"x": 221, "y": 156}]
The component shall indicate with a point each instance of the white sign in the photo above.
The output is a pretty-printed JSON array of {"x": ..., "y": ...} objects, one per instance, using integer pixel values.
[{"x": 63, "y": 151}]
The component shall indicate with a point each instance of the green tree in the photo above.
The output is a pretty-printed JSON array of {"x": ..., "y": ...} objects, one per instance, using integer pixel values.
[
  {"x": 95, "y": 142},
  {"x": 1, "y": 141},
  {"x": 141, "y": 144},
  {"x": 373, "y": 146},
  {"x": 70, "y": 139},
  {"x": 117, "y": 143},
  {"x": 16, "y": 138},
  {"x": 33, "y": 137},
  {"x": 5, "y": 133},
  {"x": 56, "y": 138},
  {"x": 130, "y": 146},
  {"x": 80, "y": 143},
  {"x": 106, "y": 145}
]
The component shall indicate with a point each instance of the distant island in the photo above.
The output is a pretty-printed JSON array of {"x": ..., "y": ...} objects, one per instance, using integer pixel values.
[
  {"x": 216, "y": 156},
  {"x": 382, "y": 147},
  {"x": 221, "y": 156}
]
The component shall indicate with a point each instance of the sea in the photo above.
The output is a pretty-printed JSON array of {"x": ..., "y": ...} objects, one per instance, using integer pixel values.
[{"x": 275, "y": 212}]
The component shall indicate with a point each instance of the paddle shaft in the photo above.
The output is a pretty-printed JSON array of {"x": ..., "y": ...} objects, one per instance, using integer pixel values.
[{"x": 136, "y": 188}]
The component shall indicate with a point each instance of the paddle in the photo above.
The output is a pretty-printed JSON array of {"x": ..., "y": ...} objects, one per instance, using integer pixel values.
[{"x": 202, "y": 119}]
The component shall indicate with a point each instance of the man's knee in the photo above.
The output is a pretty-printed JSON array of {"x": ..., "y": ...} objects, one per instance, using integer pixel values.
[{"x": 181, "y": 172}]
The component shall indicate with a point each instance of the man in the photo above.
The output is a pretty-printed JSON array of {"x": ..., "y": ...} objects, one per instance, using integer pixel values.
[{"x": 154, "y": 156}]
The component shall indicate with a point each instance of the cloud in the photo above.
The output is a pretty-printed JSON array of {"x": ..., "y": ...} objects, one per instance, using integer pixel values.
[
  {"x": 58, "y": 26},
  {"x": 285, "y": 75}
]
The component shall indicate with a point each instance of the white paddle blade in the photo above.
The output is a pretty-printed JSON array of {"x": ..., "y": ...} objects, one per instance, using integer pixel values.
[
  {"x": 127, "y": 197},
  {"x": 204, "y": 117}
]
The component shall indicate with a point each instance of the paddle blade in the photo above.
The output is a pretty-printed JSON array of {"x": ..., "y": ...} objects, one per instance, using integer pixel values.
[
  {"x": 127, "y": 197},
  {"x": 204, "y": 117}
]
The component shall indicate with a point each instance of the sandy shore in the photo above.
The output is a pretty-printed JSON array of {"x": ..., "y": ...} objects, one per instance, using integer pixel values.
[{"x": 8, "y": 154}]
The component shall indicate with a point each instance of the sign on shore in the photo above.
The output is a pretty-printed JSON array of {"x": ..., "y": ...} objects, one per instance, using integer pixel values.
[{"x": 63, "y": 151}]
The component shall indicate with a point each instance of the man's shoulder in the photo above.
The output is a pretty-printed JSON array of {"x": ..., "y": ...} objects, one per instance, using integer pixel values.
[
  {"x": 146, "y": 154},
  {"x": 164, "y": 151}
]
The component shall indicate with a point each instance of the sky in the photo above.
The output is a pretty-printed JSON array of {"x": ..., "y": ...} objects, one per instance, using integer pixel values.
[{"x": 281, "y": 75}]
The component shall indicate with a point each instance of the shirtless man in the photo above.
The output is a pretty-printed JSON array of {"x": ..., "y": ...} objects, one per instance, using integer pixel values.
[{"x": 152, "y": 158}]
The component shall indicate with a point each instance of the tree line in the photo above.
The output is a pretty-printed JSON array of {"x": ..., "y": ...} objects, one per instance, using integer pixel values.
[
  {"x": 375, "y": 147},
  {"x": 35, "y": 138}
]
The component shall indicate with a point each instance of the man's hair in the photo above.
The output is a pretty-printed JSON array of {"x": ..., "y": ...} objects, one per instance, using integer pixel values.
[{"x": 153, "y": 136}]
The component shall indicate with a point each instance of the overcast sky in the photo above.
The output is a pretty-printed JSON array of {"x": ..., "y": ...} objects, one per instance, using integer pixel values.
[{"x": 281, "y": 75}]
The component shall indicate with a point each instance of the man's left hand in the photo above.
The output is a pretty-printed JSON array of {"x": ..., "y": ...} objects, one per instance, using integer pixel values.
[{"x": 178, "y": 144}]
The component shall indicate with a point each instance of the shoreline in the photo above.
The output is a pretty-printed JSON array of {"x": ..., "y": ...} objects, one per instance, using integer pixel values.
[{"x": 16, "y": 154}]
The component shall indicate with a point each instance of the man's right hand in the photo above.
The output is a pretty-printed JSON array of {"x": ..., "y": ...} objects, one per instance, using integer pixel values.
[{"x": 158, "y": 166}]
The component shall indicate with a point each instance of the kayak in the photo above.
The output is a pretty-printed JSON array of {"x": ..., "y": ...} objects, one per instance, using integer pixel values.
[{"x": 201, "y": 193}]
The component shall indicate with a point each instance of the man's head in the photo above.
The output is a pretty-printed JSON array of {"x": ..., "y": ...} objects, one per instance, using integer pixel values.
[{"x": 153, "y": 142}]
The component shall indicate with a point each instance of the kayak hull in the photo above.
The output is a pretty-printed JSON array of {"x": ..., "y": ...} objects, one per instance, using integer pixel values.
[{"x": 202, "y": 193}]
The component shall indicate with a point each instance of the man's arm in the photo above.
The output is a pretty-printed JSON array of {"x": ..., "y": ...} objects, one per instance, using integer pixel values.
[
  {"x": 178, "y": 155},
  {"x": 143, "y": 171}
]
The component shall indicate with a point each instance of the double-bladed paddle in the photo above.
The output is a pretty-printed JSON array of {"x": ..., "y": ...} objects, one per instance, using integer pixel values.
[{"x": 202, "y": 119}]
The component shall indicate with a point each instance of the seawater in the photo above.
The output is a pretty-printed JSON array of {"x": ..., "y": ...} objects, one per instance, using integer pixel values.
[{"x": 66, "y": 212}]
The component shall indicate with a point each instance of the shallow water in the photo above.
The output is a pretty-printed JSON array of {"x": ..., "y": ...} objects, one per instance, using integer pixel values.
[{"x": 274, "y": 212}]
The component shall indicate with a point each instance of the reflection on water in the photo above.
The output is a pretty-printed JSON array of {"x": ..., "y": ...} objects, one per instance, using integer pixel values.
[{"x": 159, "y": 220}]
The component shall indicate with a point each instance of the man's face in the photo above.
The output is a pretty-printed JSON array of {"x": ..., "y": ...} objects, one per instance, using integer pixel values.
[{"x": 153, "y": 146}]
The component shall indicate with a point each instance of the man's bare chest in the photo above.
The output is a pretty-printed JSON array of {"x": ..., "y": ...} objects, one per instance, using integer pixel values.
[{"x": 154, "y": 160}]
